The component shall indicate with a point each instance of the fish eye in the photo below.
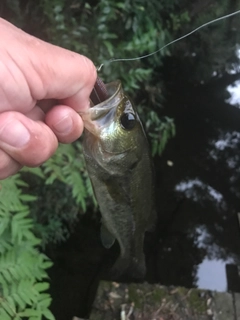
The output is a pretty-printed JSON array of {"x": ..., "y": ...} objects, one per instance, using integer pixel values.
[{"x": 128, "y": 121}]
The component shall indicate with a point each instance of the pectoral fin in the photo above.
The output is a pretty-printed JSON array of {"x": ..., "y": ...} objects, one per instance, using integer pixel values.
[{"x": 106, "y": 237}]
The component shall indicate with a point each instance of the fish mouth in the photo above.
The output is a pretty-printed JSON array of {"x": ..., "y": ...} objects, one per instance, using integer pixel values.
[
  {"x": 100, "y": 115},
  {"x": 96, "y": 119}
]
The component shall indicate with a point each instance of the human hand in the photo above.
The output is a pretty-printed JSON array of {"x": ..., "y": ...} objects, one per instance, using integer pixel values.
[{"x": 42, "y": 87}]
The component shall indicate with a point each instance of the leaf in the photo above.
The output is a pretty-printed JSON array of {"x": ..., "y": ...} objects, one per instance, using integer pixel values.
[
  {"x": 45, "y": 303},
  {"x": 19, "y": 301},
  {"x": 36, "y": 171},
  {"x": 47, "y": 264},
  {"x": 4, "y": 222},
  {"x": 41, "y": 286},
  {"x": 29, "y": 313},
  {"x": 4, "y": 315},
  {"x": 5, "y": 305},
  {"x": 26, "y": 297},
  {"x": 109, "y": 47},
  {"x": 6, "y": 274},
  {"x": 48, "y": 314},
  {"x": 11, "y": 303},
  {"x": 27, "y": 197},
  {"x": 21, "y": 183}
]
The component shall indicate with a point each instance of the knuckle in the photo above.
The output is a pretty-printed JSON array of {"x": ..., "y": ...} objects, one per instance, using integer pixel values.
[
  {"x": 90, "y": 65},
  {"x": 91, "y": 71}
]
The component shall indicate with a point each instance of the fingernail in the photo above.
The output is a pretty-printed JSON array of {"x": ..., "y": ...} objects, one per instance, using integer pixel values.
[
  {"x": 15, "y": 134},
  {"x": 64, "y": 125}
]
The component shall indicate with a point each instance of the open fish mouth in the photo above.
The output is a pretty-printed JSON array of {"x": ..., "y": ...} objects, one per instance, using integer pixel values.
[
  {"x": 105, "y": 100},
  {"x": 98, "y": 117}
]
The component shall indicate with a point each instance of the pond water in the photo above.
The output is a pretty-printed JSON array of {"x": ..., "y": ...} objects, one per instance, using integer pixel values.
[
  {"x": 203, "y": 239},
  {"x": 197, "y": 240}
]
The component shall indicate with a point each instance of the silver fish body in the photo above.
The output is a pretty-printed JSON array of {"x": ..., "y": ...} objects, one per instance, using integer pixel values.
[{"x": 120, "y": 168}]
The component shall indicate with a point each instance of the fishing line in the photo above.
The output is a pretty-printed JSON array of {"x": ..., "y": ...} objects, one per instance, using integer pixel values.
[{"x": 168, "y": 44}]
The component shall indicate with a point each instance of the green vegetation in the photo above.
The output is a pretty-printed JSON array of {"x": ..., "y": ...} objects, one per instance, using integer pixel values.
[
  {"x": 55, "y": 215},
  {"x": 195, "y": 301},
  {"x": 23, "y": 277},
  {"x": 41, "y": 206},
  {"x": 159, "y": 294}
]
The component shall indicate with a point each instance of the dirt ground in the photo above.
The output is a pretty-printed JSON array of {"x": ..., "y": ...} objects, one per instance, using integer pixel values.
[{"x": 115, "y": 301}]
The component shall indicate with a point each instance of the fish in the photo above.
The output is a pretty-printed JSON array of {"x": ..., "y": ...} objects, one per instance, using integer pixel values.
[{"x": 120, "y": 168}]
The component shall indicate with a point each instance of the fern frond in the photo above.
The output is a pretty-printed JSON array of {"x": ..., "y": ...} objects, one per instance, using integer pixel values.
[
  {"x": 68, "y": 166},
  {"x": 5, "y": 219},
  {"x": 22, "y": 267},
  {"x": 160, "y": 132}
]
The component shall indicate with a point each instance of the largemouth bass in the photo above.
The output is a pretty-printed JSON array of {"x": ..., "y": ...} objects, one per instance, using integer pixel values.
[{"x": 120, "y": 168}]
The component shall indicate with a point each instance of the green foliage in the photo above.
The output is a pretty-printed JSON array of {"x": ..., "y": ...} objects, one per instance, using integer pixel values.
[
  {"x": 160, "y": 133},
  {"x": 117, "y": 30},
  {"x": 178, "y": 19},
  {"x": 67, "y": 165},
  {"x": 23, "y": 277},
  {"x": 64, "y": 192}
]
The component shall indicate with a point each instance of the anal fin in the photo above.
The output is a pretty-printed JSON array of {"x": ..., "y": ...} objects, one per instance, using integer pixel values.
[{"x": 106, "y": 237}]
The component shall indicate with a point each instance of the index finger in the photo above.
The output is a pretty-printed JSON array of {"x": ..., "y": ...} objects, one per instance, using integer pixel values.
[
  {"x": 66, "y": 76},
  {"x": 40, "y": 70}
]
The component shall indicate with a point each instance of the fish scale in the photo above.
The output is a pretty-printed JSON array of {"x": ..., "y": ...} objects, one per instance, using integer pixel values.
[{"x": 120, "y": 168}]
